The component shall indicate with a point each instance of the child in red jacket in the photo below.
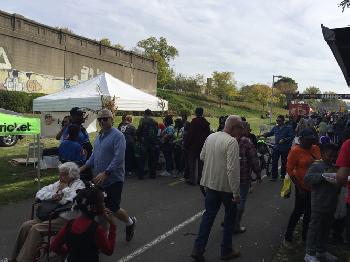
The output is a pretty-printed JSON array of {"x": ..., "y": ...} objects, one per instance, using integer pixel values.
[{"x": 81, "y": 239}]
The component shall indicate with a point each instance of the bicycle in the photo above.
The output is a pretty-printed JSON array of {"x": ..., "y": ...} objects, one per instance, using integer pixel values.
[{"x": 264, "y": 150}]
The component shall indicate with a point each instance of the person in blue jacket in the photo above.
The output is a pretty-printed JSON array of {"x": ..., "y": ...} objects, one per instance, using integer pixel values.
[{"x": 284, "y": 136}]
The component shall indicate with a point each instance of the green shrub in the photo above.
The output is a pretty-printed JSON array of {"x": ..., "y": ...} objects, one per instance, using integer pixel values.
[{"x": 20, "y": 102}]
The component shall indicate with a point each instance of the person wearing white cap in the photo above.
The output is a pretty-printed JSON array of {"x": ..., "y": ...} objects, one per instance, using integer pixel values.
[{"x": 108, "y": 162}]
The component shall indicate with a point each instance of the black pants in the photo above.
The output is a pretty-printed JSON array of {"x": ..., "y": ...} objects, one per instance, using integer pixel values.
[
  {"x": 302, "y": 205},
  {"x": 195, "y": 168},
  {"x": 129, "y": 157},
  {"x": 150, "y": 152},
  {"x": 276, "y": 154}
]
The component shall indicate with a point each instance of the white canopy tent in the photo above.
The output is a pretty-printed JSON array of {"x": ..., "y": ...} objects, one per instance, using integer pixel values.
[{"x": 88, "y": 95}]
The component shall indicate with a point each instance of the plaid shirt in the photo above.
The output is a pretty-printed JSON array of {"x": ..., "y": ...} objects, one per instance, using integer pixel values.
[{"x": 249, "y": 160}]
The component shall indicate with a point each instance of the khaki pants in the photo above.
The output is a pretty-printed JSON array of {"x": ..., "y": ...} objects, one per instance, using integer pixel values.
[{"x": 30, "y": 236}]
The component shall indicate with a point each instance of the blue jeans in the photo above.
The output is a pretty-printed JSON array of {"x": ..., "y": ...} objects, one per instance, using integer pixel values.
[
  {"x": 276, "y": 154},
  {"x": 213, "y": 200},
  {"x": 243, "y": 191},
  {"x": 168, "y": 155}
]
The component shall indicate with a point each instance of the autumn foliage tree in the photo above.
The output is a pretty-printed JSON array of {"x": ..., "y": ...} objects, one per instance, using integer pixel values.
[{"x": 224, "y": 85}]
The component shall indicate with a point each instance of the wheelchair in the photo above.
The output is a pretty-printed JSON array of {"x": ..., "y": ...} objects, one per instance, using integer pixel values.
[{"x": 42, "y": 252}]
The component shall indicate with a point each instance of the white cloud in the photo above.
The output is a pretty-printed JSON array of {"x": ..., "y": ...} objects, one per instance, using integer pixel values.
[{"x": 253, "y": 38}]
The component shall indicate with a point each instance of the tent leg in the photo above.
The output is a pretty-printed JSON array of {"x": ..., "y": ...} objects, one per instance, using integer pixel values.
[{"x": 38, "y": 162}]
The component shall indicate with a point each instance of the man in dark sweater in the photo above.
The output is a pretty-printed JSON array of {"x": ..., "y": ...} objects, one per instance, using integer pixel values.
[
  {"x": 323, "y": 204},
  {"x": 197, "y": 134}
]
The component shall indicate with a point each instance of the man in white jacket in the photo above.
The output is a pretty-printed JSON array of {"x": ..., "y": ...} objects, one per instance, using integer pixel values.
[
  {"x": 221, "y": 178},
  {"x": 32, "y": 231}
]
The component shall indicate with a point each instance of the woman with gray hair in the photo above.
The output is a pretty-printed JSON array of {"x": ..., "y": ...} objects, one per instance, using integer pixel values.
[{"x": 63, "y": 191}]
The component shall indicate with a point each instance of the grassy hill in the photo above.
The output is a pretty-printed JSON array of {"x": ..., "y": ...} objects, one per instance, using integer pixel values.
[
  {"x": 179, "y": 101},
  {"x": 188, "y": 101}
]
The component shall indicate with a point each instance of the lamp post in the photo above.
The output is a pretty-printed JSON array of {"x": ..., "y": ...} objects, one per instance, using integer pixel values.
[{"x": 273, "y": 84}]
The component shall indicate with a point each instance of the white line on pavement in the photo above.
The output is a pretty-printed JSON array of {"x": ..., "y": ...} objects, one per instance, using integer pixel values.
[{"x": 160, "y": 238}]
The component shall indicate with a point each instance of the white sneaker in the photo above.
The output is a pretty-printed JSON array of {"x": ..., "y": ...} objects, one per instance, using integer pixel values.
[
  {"x": 165, "y": 173},
  {"x": 326, "y": 255},
  {"x": 309, "y": 258}
]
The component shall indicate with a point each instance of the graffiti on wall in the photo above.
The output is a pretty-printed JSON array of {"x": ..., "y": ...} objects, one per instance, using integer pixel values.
[{"x": 12, "y": 79}]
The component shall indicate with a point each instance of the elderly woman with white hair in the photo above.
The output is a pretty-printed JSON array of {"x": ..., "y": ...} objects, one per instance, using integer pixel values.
[{"x": 63, "y": 191}]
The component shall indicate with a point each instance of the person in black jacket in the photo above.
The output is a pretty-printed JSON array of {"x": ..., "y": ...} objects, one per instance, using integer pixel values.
[
  {"x": 147, "y": 133},
  {"x": 198, "y": 132}
]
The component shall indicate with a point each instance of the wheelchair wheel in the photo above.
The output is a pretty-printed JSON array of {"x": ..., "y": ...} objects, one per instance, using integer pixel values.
[{"x": 42, "y": 252}]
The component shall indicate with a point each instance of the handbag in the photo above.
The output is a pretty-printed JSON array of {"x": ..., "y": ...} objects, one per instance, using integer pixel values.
[
  {"x": 287, "y": 187},
  {"x": 45, "y": 208}
]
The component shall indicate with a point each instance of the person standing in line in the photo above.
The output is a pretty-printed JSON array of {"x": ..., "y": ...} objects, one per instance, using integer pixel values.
[
  {"x": 343, "y": 174},
  {"x": 323, "y": 204},
  {"x": 299, "y": 160},
  {"x": 197, "y": 134},
  {"x": 129, "y": 132},
  {"x": 249, "y": 162},
  {"x": 147, "y": 134},
  {"x": 107, "y": 160},
  {"x": 284, "y": 136},
  {"x": 322, "y": 128},
  {"x": 221, "y": 178},
  {"x": 167, "y": 136}
]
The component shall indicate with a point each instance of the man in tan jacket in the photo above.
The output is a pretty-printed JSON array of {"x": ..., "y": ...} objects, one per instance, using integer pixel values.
[{"x": 221, "y": 178}]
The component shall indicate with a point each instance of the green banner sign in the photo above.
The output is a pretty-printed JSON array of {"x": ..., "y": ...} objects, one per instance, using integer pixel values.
[{"x": 18, "y": 125}]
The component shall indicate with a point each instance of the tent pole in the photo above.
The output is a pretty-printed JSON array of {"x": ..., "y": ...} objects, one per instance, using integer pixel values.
[{"x": 38, "y": 163}]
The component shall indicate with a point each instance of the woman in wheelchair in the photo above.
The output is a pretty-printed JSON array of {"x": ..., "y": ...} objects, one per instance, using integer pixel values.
[
  {"x": 81, "y": 239},
  {"x": 63, "y": 191}
]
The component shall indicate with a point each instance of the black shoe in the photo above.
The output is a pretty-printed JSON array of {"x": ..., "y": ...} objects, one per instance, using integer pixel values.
[
  {"x": 232, "y": 255},
  {"x": 273, "y": 179},
  {"x": 198, "y": 257},
  {"x": 130, "y": 230}
]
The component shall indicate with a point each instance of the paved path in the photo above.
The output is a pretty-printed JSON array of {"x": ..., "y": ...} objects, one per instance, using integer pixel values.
[{"x": 167, "y": 205}]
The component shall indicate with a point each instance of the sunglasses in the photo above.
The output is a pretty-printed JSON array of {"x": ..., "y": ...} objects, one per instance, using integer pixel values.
[{"x": 103, "y": 119}]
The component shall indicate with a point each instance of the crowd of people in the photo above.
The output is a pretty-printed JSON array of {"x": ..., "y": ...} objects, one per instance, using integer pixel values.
[{"x": 222, "y": 163}]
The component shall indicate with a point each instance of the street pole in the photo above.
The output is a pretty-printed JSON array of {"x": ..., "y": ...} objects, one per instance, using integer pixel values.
[{"x": 273, "y": 84}]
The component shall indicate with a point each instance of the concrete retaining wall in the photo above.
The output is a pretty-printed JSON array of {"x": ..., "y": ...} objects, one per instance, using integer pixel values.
[{"x": 38, "y": 58}]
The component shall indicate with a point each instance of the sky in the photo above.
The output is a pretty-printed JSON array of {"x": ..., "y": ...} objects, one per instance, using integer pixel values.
[{"x": 255, "y": 39}]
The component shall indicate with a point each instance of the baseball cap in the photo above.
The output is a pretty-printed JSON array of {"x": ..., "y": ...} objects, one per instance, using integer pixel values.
[
  {"x": 76, "y": 111},
  {"x": 307, "y": 133}
]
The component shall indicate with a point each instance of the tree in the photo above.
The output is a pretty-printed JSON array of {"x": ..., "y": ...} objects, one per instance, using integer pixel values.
[
  {"x": 119, "y": 46},
  {"x": 106, "y": 41},
  {"x": 224, "y": 85},
  {"x": 258, "y": 93},
  {"x": 344, "y": 4},
  {"x": 313, "y": 103},
  {"x": 163, "y": 53},
  {"x": 65, "y": 29},
  {"x": 187, "y": 83},
  {"x": 284, "y": 87}
]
